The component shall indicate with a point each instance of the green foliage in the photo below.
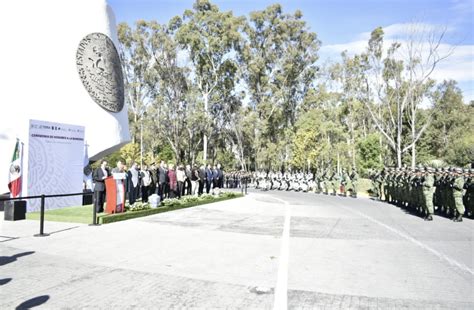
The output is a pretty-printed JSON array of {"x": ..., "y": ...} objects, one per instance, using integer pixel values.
[
  {"x": 130, "y": 152},
  {"x": 369, "y": 153},
  {"x": 166, "y": 154},
  {"x": 227, "y": 159},
  {"x": 450, "y": 135},
  {"x": 295, "y": 109}
]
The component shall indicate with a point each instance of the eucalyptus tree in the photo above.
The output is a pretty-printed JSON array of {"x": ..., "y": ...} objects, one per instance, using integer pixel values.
[
  {"x": 449, "y": 136},
  {"x": 211, "y": 38},
  {"x": 348, "y": 77},
  {"x": 279, "y": 57},
  {"x": 396, "y": 83},
  {"x": 136, "y": 63},
  {"x": 169, "y": 84}
]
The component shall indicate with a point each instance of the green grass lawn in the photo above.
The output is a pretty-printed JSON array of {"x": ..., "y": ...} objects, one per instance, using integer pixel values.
[
  {"x": 83, "y": 214},
  {"x": 80, "y": 214}
]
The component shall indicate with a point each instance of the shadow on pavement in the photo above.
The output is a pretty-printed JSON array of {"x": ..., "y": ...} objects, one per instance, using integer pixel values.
[
  {"x": 33, "y": 302},
  {"x": 5, "y": 281},
  {"x": 10, "y": 259},
  {"x": 61, "y": 230}
]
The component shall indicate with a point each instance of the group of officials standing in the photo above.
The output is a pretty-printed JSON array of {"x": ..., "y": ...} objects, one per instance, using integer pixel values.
[
  {"x": 424, "y": 189},
  {"x": 166, "y": 180}
]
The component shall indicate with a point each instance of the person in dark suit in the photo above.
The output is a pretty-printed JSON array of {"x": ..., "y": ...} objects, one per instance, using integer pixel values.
[
  {"x": 154, "y": 180},
  {"x": 209, "y": 178},
  {"x": 220, "y": 176},
  {"x": 187, "y": 189},
  {"x": 99, "y": 175},
  {"x": 133, "y": 179},
  {"x": 215, "y": 178},
  {"x": 202, "y": 180},
  {"x": 162, "y": 178}
]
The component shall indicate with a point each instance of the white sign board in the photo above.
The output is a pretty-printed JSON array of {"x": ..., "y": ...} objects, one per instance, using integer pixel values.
[{"x": 55, "y": 163}]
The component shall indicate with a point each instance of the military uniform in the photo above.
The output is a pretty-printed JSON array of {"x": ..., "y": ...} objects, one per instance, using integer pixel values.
[
  {"x": 458, "y": 186},
  {"x": 354, "y": 177},
  {"x": 428, "y": 183},
  {"x": 344, "y": 182},
  {"x": 469, "y": 195},
  {"x": 334, "y": 183}
]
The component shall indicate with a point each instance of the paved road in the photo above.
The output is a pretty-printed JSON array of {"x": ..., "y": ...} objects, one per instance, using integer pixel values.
[{"x": 314, "y": 251}]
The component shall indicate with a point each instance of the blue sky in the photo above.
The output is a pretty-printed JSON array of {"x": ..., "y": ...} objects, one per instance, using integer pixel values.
[{"x": 344, "y": 25}]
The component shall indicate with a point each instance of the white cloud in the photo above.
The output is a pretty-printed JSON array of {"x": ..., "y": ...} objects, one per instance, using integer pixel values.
[
  {"x": 462, "y": 6},
  {"x": 458, "y": 66},
  {"x": 400, "y": 30},
  {"x": 334, "y": 50}
]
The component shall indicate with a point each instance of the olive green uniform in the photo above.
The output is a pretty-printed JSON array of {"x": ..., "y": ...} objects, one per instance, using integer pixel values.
[
  {"x": 428, "y": 193},
  {"x": 354, "y": 180},
  {"x": 458, "y": 186}
]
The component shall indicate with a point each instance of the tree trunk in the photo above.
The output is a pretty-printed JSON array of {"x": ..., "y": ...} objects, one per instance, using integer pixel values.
[
  {"x": 204, "y": 151},
  {"x": 399, "y": 155},
  {"x": 413, "y": 137},
  {"x": 141, "y": 141}
]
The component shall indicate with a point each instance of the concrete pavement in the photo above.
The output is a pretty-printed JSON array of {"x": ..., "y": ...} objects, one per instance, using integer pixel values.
[{"x": 342, "y": 253}]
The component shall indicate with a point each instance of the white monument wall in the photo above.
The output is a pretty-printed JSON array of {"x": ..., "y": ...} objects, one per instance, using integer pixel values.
[{"x": 39, "y": 74}]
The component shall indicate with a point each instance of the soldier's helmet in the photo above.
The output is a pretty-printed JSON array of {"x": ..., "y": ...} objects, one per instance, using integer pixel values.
[
  {"x": 430, "y": 169},
  {"x": 458, "y": 170}
]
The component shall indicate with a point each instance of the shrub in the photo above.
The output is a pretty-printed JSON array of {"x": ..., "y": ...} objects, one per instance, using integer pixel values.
[
  {"x": 171, "y": 202},
  {"x": 205, "y": 197},
  {"x": 187, "y": 199},
  {"x": 228, "y": 194},
  {"x": 138, "y": 206},
  {"x": 167, "y": 205}
]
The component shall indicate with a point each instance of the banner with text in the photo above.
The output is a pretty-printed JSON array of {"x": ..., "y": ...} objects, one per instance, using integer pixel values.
[{"x": 55, "y": 163}]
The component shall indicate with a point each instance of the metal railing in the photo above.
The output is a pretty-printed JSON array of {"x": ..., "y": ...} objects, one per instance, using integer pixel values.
[{"x": 43, "y": 197}]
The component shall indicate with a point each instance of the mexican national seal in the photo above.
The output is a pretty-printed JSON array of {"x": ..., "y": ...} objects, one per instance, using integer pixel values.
[{"x": 100, "y": 71}]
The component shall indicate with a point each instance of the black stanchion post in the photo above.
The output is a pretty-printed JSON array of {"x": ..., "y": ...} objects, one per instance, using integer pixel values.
[
  {"x": 42, "y": 234},
  {"x": 94, "y": 213},
  {"x": 246, "y": 180}
]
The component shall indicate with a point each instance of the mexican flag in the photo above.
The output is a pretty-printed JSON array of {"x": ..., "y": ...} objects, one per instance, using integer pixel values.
[{"x": 16, "y": 167}]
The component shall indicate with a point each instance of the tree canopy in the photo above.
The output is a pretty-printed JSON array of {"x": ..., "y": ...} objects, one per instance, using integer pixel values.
[{"x": 249, "y": 92}]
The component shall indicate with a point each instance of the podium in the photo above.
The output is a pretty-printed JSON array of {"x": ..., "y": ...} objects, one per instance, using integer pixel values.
[{"x": 115, "y": 193}]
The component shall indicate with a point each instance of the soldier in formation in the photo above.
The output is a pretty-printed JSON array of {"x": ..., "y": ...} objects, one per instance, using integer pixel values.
[
  {"x": 322, "y": 181},
  {"x": 236, "y": 179},
  {"x": 424, "y": 189}
]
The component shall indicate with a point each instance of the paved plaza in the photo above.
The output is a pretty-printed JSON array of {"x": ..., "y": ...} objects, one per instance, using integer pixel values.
[{"x": 266, "y": 250}]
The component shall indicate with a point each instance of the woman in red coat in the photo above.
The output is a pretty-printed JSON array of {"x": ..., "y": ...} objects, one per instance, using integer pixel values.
[{"x": 173, "y": 182}]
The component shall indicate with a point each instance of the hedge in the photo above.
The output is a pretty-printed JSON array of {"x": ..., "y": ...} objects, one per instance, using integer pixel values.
[{"x": 117, "y": 217}]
